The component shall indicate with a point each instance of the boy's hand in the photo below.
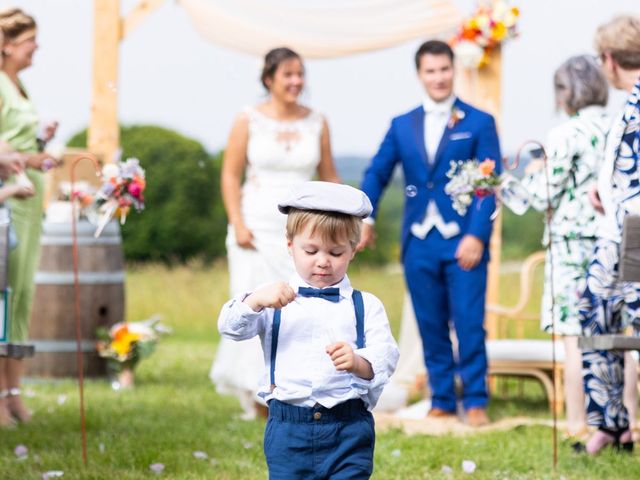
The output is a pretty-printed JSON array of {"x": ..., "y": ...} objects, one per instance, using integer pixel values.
[
  {"x": 345, "y": 360},
  {"x": 276, "y": 295},
  {"x": 342, "y": 356}
]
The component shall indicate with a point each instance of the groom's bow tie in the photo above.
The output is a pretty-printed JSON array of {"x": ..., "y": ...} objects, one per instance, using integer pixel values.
[{"x": 331, "y": 294}]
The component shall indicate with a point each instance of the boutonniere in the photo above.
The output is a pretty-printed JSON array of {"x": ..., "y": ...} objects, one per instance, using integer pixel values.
[{"x": 456, "y": 116}]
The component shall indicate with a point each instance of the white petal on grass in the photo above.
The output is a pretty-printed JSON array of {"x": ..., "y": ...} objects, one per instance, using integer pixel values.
[
  {"x": 247, "y": 445},
  {"x": 101, "y": 448},
  {"x": 156, "y": 468},
  {"x": 200, "y": 455},
  {"x": 52, "y": 474},
  {"x": 21, "y": 452},
  {"x": 29, "y": 393},
  {"x": 61, "y": 399},
  {"x": 446, "y": 469},
  {"x": 468, "y": 466},
  {"x": 396, "y": 453},
  {"x": 214, "y": 462}
]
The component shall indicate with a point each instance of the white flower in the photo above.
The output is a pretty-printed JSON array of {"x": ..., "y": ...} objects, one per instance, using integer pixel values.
[
  {"x": 468, "y": 53},
  {"x": 110, "y": 170}
]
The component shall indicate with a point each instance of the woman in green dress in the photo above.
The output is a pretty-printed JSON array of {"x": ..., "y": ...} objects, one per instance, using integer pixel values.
[{"x": 19, "y": 129}]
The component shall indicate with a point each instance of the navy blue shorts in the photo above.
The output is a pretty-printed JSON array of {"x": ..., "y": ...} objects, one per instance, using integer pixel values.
[{"x": 319, "y": 443}]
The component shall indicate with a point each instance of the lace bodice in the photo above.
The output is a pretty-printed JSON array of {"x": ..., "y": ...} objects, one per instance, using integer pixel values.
[{"x": 280, "y": 154}]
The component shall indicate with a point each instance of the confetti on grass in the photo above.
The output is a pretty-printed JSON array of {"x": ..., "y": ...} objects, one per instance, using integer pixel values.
[
  {"x": 446, "y": 469},
  {"x": 200, "y": 455},
  {"x": 52, "y": 474},
  {"x": 156, "y": 468},
  {"x": 395, "y": 453},
  {"x": 21, "y": 452},
  {"x": 468, "y": 466}
]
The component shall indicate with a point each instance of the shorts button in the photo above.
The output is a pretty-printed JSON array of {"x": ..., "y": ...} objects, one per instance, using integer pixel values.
[{"x": 317, "y": 416}]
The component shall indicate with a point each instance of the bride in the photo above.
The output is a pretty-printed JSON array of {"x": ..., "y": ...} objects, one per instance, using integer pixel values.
[{"x": 273, "y": 146}]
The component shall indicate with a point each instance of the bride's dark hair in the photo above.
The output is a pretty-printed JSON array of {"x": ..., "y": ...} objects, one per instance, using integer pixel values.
[{"x": 272, "y": 61}]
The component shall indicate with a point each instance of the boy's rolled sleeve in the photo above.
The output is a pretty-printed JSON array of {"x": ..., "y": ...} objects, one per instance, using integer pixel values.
[
  {"x": 380, "y": 350},
  {"x": 237, "y": 321}
]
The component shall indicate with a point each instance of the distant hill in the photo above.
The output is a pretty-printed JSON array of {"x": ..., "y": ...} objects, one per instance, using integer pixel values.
[{"x": 351, "y": 168}]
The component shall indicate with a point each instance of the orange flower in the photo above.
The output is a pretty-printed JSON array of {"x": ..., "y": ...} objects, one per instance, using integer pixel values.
[
  {"x": 487, "y": 167},
  {"x": 123, "y": 341}
]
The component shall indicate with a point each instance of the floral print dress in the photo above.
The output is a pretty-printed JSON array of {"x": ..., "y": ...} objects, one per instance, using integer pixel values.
[
  {"x": 575, "y": 152},
  {"x": 609, "y": 305}
]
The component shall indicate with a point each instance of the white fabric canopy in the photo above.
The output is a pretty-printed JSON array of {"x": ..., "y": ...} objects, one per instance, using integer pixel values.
[{"x": 320, "y": 29}]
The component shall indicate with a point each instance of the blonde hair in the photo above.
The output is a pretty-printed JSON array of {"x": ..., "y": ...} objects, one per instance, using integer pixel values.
[
  {"x": 332, "y": 226},
  {"x": 620, "y": 37},
  {"x": 14, "y": 22}
]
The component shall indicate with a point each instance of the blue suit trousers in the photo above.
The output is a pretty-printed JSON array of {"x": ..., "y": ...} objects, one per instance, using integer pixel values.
[{"x": 444, "y": 294}]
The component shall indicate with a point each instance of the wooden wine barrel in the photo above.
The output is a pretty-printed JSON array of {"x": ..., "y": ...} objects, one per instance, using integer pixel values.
[{"x": 101, "y": 277}]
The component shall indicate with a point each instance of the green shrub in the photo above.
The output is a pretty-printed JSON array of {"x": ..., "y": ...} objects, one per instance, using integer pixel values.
[
  {"x": 388, "y": 220},
  {"x": 521, "y": 234},
  {"x": 184, "y": 217}
]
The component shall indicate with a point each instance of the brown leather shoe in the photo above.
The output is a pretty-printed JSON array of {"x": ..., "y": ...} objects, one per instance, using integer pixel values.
[
  {"x": 477, "y": 417},
  {"x": 436, "y": 412}
]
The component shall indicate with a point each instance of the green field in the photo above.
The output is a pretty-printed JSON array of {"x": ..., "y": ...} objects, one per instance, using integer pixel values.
[{"x": 174, "y": 410}]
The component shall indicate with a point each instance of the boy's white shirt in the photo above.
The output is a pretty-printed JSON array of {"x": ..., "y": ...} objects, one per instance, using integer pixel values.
[{"x": 304, "y": 373}]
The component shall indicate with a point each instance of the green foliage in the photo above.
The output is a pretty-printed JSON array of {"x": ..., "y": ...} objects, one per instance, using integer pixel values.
[
  {"x": 184, "y": 216},
  {"x": 388, "y": 221},
  {"x": 521, "y": 234}
]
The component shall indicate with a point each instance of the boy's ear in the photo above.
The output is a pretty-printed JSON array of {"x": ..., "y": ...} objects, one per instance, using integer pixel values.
[{"x": 289, "y": 245}]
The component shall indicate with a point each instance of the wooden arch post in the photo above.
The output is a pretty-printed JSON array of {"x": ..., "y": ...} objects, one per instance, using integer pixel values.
[
  {"x": 109, "y": 29},
  {"x": 483, "y": 89}
]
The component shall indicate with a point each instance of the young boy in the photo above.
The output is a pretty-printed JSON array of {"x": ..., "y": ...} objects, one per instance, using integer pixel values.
[{"x": 327, "y": 348}]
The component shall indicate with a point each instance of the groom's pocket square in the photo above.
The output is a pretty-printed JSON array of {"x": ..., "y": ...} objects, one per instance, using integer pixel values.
[{"x": 460, "y": 136}]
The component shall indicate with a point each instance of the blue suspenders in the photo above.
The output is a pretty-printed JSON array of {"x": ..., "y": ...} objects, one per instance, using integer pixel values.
[{"x": 358, "y": 306}]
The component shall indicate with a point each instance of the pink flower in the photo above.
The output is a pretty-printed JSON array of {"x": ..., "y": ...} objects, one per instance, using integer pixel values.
[{"x": 135, "y": 189}]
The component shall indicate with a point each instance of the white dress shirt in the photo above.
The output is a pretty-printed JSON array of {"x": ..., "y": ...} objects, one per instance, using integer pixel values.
[
  {"x": 437, "y": 116},
  {"x": 304, "y": 373}
]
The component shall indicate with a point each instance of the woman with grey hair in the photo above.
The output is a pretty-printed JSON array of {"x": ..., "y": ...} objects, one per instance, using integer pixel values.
[{"x": 575, "y": 152}]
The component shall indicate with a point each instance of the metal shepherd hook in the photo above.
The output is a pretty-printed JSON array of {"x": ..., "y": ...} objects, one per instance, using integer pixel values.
[
  {"x": 512, "y": 166},
  {"x": 76, "y": 283}
]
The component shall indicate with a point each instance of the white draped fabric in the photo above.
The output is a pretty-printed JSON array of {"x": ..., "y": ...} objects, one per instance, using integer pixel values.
[{"x": 320, "y": 28}]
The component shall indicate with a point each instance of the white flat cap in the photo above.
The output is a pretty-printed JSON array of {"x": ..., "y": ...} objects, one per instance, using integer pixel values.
[{"x": 328, "y": 197}]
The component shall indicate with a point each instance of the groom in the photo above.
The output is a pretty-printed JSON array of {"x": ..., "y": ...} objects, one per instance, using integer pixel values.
[{"x": 444, "y": 254}]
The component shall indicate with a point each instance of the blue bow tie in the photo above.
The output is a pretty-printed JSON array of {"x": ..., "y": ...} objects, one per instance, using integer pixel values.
[{"x": 331, "y": 294}]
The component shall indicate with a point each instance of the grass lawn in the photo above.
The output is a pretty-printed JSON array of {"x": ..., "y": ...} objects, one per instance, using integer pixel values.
[{"x": 174, "y": 410}]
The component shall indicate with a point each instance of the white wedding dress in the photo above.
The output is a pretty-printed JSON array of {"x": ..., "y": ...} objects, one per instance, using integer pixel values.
[{"x": 280, "y": 155}]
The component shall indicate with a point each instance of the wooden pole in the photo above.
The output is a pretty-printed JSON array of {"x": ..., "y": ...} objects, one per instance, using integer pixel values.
[
  {"x": 108, "y": 30},
  {"x": 483, "y": 89},
  {"x": 104, "y": 136}
]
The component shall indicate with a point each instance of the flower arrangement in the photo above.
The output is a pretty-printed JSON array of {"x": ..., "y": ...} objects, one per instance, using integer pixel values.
[
  {"x": 123, "y": 187},
  {"x": 125, "y": 344},
  {"x": 487, "y": 28},
  {"x": 468, "y": 179}
]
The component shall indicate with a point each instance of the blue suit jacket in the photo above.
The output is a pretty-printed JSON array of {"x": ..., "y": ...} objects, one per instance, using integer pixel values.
[{"x": 472, "y": 137}]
